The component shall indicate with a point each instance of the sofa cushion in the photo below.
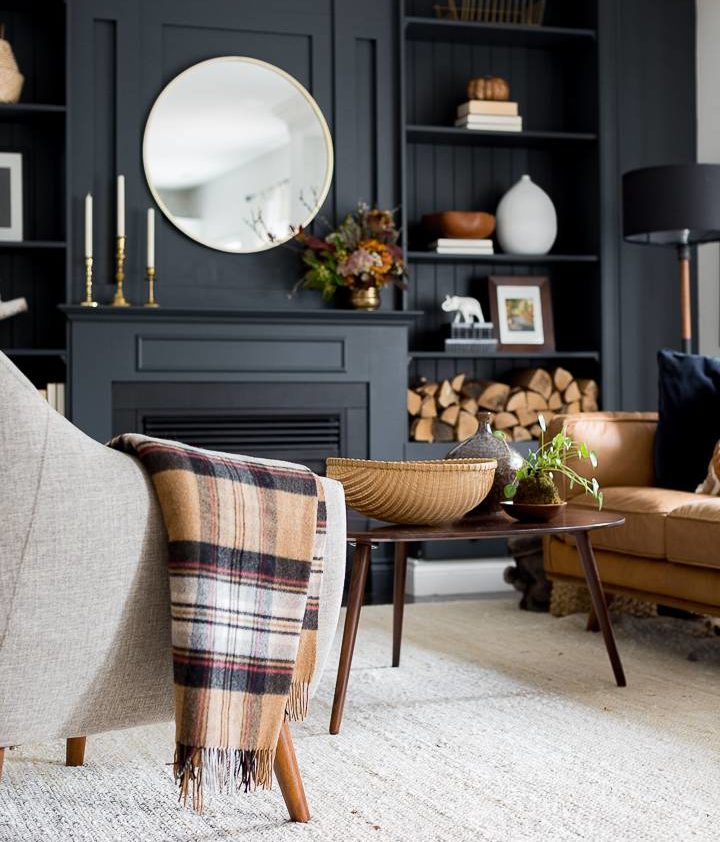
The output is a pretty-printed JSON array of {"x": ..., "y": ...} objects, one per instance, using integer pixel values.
[
  {"x": 692, "y": 532},
  {"x": 645, "y": 510},
  {"x": 689, "y": 418}
]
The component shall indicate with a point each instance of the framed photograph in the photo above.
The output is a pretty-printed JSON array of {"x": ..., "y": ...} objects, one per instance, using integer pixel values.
[
  {"x": 521, "y": 311},
  {"x": 11, "y": 199}
]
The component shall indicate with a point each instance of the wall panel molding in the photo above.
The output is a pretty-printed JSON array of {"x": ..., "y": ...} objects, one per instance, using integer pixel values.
[{"x": 123, "y": 52}]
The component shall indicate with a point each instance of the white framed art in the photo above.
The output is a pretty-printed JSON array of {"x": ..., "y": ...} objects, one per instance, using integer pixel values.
[
  {"x": 11, "y": 198},
  {"x": 522, "y": 312}
]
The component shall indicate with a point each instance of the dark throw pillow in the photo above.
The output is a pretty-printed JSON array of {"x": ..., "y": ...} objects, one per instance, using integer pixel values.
[{"x": 689, "y": 418}]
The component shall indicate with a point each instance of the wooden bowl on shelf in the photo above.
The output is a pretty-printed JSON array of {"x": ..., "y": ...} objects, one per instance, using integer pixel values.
[
  {"x": 462, "y": 225},
  {"x": 424, "y": 492}
]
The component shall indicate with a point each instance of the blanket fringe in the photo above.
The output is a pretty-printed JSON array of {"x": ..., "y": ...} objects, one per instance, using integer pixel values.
[
  {"x": 220, "y": 770},
  {"x": 298, "y": 700}
]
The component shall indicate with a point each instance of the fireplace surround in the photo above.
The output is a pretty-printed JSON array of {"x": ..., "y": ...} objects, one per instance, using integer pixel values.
[{"x": 244, "y": 378}]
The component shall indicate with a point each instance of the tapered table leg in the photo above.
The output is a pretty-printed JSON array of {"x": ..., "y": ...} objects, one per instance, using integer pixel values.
[
  {"x": 592, "y": 621},
  {"x": 587, "y": 559},
  {"x": 288, "y": 776},
  {"x": 358, "y": 577},
  {"x": 399, "y": 599}
]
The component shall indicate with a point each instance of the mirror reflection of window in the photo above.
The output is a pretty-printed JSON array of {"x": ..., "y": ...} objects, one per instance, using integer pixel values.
[{"x": 236, "y": 152}]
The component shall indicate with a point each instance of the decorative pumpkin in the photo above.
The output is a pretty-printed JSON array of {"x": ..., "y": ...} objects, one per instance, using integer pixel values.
[{"x": 488, "y": 87}]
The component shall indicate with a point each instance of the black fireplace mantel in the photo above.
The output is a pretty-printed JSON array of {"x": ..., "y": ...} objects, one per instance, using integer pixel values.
[
  {"x": 324, "y": 315},
  {"x": 136, "y": 345}
]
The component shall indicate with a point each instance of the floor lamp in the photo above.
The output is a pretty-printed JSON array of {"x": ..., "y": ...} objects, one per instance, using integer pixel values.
[{"x": 677, "y": 205}]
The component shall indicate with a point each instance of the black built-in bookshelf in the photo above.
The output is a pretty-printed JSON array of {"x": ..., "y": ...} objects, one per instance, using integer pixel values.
[
  {"x": 35, "y": 127},
  {"x": 553, "y": 74}
]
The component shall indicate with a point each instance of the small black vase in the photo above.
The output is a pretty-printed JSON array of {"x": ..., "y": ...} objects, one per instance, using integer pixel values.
[{"x": 485, "y": 445}]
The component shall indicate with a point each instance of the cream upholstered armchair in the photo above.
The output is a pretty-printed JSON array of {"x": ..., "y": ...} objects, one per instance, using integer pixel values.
[{"x": 84, "y": 595}]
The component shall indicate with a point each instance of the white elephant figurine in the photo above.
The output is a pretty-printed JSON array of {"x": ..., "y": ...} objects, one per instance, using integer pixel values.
[{"x": 466, "y": 309}]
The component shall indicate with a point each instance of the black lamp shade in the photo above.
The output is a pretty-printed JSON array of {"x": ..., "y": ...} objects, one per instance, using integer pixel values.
[{"x": 670, "y": 205}]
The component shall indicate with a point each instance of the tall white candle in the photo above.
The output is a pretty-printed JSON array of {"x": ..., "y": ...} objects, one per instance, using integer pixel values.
[
  {"x": 88, "y": 225},
  {"x": 121, "y": 206},
  {"x": 151, "y": 237}
]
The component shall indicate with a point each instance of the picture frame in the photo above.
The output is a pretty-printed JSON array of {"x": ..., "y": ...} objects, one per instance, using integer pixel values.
[
  {"x": 11, "y": 196},
  {"x": 521, "y": 309}
]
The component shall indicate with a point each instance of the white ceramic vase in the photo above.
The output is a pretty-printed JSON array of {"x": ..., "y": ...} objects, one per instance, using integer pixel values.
[{"x": 526, "y": 222}]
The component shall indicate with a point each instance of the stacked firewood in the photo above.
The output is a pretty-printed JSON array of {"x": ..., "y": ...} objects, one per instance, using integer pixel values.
[{"x": 447, "y": 411}]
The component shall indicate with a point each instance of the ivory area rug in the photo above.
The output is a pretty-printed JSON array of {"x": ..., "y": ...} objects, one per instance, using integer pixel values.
[{"x": 499, "y": 725}]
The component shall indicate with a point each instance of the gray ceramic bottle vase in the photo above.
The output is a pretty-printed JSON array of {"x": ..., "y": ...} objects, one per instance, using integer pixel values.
[{"x": 485, "y": 445}]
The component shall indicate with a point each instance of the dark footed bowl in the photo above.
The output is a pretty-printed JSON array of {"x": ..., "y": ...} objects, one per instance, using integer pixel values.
[{"x": 532, "y": 512}]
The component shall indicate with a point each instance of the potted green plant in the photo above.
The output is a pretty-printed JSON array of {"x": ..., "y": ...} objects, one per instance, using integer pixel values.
[{"x": 533, "y": 494}]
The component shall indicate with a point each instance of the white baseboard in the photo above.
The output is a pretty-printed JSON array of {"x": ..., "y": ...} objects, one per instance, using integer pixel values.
[{"x": 456, "y": 577}]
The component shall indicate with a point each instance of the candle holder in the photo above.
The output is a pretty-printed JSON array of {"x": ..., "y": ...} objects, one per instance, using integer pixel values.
[
  {"x": 119, "y": 300},
  {"x": 151, "y": 302},
  {"x": 88, "y": 302}
]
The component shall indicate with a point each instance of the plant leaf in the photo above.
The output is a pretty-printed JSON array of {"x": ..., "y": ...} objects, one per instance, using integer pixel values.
[{"x": 510, "y": 490}]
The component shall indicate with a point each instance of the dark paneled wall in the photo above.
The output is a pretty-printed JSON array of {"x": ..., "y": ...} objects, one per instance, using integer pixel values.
[
  {"x": 648, "y": 117},
  {"x": 123, "y": 52}
]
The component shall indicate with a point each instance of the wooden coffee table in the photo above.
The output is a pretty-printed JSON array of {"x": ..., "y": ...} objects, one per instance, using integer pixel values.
[{"x": 364, "y": 533}]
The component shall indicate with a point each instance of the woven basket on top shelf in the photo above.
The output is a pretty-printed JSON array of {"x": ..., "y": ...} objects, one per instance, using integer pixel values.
[
  {"x": 494, "y": 11},
  {"x": 11, "y": 79},
  {"x": 428, "y": 492}
]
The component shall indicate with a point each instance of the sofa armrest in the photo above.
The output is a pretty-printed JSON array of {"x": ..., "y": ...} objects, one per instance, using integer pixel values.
[{"x": 623, "y": 442}]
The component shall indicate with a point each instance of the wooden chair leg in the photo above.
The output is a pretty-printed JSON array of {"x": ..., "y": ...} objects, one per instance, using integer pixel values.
[
  {"x": 288, "y": 776},
  {"x": 2, "y": 761},
  {"x": 75, "y": 751}
]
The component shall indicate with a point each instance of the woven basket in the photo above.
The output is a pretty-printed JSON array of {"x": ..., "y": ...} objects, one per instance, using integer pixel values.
[
  {"x": 11, "y": 80},
  {"x": 494, "y": 11},
  {"x": 432, "y": 492}
]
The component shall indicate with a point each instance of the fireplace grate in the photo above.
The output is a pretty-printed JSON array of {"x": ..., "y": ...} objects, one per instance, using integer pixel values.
[{"x": 308, "y": 439}]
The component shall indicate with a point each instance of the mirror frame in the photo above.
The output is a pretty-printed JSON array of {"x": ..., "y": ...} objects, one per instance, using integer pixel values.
[{"x": 330, "y": 154}]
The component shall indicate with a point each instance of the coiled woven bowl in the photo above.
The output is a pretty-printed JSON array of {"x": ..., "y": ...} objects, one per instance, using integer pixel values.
[{"x": 431, "y": 492}]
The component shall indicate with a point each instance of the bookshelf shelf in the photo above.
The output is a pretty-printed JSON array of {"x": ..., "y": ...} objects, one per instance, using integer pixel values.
[
  {"x": 30, "y": 111},
  {"x": 35, "y": 127},
  {"x": 465, "y": 137},
  {"x": 495, "y": 34},
  {"x": 510, "y": 259},
  {"x": 505, "y": 355},
  {"x": 23, "y": 245},
  {"x": 35, "y": 352}
]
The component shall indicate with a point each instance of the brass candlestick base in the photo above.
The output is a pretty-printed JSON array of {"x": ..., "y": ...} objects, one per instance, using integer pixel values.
[
  {"x": 119, "y": 299},
  {"x": 88, "y": 302},
  {"x": 151, "y": 302}
]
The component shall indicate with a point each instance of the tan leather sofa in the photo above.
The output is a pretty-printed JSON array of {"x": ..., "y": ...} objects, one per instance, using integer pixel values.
[{"x": 668, "y": 551}]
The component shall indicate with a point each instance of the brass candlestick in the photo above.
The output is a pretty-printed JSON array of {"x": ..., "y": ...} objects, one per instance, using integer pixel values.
[
  {"x": 88, "y": 302},
  {"x": 119, "y": 300},
  {"x": 151, "y": 302}
]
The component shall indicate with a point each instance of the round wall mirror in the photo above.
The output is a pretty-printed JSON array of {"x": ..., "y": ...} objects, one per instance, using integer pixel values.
[{"x": 235, "y": 152}]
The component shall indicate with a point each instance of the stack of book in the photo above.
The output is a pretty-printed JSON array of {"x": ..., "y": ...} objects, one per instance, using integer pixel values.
[
  {"x": 54, "y": 394},
  {"x": 487, "y": 115},
  {"x": 457, "y": 245}
]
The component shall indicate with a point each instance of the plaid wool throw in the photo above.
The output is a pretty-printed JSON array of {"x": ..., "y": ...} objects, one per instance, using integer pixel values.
[{"x": 245, "y": 559}]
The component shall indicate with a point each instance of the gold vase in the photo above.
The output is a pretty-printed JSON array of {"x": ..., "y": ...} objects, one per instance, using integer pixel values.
[{"x": 365, "y": 299}]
